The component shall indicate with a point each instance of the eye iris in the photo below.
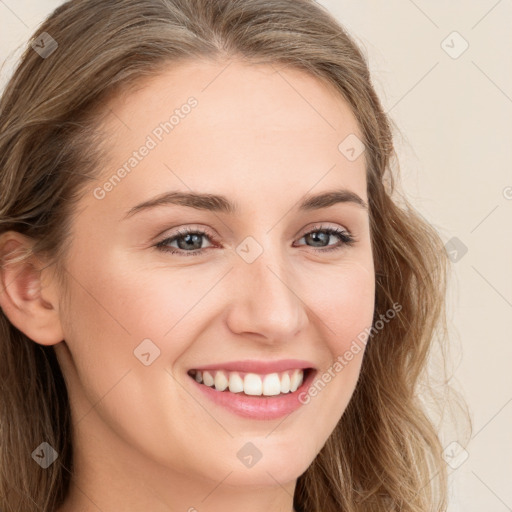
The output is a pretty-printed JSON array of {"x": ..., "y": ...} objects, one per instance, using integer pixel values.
[
  {"x": 196, "y": 238},
  {"x": 315, "y": 236}
]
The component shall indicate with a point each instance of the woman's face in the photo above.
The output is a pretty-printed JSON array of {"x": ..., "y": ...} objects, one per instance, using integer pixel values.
[{"x": 265, "y": 284}]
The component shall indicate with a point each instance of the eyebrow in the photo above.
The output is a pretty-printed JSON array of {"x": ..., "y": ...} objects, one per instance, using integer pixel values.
[{"x": 219, "y": 203}]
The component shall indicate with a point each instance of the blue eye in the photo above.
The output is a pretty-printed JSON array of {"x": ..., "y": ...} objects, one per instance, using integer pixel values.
[
  {"x": 191, "y": 238},
  {"x": 325, "y": 235}
]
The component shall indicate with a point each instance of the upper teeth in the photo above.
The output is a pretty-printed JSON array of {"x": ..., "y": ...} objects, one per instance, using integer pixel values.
[{"x": 251, "y": 383}]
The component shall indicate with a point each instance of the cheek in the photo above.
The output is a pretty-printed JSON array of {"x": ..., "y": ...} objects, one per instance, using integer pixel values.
[
  {"x": 343, "y": 299},
  {"x": 344, "y": 305}
]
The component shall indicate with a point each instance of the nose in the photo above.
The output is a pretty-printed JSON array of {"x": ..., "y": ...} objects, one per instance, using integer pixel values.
[{"x": 264, "y": 299}]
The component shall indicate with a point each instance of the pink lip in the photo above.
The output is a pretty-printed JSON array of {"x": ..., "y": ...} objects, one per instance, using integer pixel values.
[
  {"x": 261, "y": 367},
  {"x": 258, "y": 407}
]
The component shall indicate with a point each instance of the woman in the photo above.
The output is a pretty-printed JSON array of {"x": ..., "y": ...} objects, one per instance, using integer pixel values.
[{"x": 278, "y": 368}]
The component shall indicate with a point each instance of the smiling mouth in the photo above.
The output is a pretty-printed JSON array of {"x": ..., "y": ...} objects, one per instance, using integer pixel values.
[{"x": 252, "y": 384}]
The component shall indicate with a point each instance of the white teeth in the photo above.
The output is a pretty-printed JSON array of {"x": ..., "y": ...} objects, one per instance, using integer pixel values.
[
  {"x": 285, "y": 383},
  {"x": 236, "y": 384},
  {"x": 296, "y": 380},
  {"x": 253, "y": 384},
  {"x": 208, "y": 379},
  {"x": 221, "y": 382},
  {"x": 271, "y": 384}
]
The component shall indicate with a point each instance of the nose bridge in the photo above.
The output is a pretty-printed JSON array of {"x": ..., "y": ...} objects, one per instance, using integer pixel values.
[{"x": 265, "y": 301}]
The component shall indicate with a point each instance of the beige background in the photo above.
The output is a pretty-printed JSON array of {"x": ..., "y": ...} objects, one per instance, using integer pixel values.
[{"x": 454, "y": 113}]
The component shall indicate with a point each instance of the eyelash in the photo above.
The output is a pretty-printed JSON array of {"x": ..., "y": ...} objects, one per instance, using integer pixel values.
[{"x": 346, "y": 240}]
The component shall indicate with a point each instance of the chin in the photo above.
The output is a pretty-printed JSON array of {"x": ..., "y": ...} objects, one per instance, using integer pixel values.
[{"x": 270, "y": 470}]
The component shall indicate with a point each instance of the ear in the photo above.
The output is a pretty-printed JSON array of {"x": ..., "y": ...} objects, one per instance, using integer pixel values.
[{"x": 28, "y": 292}]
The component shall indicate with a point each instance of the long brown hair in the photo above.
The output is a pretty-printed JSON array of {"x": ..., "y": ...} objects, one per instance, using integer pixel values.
[{"x": 384, "y": 454}]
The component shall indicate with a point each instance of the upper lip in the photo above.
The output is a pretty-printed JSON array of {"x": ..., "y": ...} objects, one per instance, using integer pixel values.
[{"x": 252, "y": 366}]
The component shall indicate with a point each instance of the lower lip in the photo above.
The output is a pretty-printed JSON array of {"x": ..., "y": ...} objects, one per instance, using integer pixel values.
[{"x": 258, "y": 407}]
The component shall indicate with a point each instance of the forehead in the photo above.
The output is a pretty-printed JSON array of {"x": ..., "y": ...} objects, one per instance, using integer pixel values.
[{"x": 251, "y": 126}]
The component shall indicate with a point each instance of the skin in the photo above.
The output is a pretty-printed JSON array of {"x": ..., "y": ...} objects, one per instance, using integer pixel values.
[{"x": 144, "y": 438}]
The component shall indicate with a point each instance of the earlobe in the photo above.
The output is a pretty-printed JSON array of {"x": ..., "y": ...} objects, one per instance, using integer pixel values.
[{"x": 29, "y": 306}]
